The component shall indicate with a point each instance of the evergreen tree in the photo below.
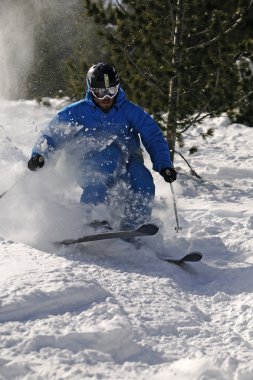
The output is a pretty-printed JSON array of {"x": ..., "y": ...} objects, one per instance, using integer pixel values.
[
  {"x": 175, "y": 58},
  {"x": 242, "y": 112}
]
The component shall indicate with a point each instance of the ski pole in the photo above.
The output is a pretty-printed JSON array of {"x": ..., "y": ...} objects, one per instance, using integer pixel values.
[
  {"x": 11, "y": 187},
  {"x": 177, "y": 228}
]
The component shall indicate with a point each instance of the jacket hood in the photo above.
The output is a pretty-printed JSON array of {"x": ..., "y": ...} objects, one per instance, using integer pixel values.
[{"x": 120, "y": 98}]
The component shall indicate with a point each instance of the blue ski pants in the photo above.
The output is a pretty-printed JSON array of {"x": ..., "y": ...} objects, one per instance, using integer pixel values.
[{"x": 103, "y": 170}]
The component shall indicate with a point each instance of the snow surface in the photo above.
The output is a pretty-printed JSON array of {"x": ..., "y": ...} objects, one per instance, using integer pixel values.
[{"x": 106, "y": 310}]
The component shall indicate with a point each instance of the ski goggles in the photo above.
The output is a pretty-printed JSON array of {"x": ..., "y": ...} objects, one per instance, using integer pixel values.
[{"x": 102, "y": 93}]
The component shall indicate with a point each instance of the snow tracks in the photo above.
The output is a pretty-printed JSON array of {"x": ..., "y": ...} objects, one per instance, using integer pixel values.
[{"x": 53, "y": 321}]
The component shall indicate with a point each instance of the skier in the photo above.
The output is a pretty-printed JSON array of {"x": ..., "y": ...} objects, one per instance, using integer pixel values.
[{"x": 104, "y": 130}]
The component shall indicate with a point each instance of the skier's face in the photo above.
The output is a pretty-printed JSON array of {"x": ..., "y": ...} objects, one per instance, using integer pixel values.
[{"x": 105, "y": 104}]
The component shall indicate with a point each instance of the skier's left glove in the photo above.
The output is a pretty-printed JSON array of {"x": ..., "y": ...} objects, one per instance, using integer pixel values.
[
  {"x": 169, "y": 174},
  {"x": 36, "y": 162}
]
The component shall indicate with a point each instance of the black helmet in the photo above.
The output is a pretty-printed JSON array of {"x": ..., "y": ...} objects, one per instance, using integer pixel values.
[{"x": 102, "y": 75}]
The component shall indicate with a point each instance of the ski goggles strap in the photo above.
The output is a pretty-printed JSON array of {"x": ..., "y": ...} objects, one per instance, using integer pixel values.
[{"x": 101, "y": 93}]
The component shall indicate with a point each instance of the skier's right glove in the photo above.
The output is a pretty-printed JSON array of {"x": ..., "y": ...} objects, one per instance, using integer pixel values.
[
  {"x": 169, "y": 174},
  {"x": 36, "y": 162}
]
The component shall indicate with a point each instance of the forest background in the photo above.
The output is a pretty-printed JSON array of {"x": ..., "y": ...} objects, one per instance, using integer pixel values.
[{"x": 180, "y": 60}]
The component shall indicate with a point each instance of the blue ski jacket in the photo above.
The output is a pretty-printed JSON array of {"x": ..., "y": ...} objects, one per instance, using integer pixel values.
[{"x": 125, "y": 124}]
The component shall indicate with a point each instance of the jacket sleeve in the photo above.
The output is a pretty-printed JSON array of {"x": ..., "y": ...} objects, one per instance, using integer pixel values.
[
  {"x": 59, "y": 130},
  {"x": 151, "y": 137}
]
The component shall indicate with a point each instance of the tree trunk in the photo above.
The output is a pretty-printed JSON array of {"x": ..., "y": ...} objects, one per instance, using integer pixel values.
[{"x": 175, "y": 82}]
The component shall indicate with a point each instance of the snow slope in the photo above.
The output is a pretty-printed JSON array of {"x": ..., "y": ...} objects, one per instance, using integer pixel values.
[{"x": 106, "y": 310}]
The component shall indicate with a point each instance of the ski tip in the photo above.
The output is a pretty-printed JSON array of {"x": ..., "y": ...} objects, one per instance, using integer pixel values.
[
  {"x": 193, "y": 256},
  {"x": 148, "y": 229}
]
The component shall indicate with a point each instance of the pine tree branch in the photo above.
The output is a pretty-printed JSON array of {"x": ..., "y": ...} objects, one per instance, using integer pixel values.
[
  {"x": 242, "y": 98},
  {"x": 123, "y": 10},
  {"x": 172, "y": 18},
  {"x": 193, "y": 172},
  {"x": 197, "y": 119},
  {"x": 219, "y": 36},
  {"x": 150, "y": 80}
]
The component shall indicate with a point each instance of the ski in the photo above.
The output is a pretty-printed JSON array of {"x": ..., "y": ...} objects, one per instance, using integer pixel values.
[
  {"x": 144, "y": 230},
  {"x": 194, "y": 256}
]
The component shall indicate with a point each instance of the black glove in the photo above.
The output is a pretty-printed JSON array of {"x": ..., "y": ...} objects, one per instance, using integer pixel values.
[
  {"x": 169, "y": 174},
  {"x": 36, "y": 162}
]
